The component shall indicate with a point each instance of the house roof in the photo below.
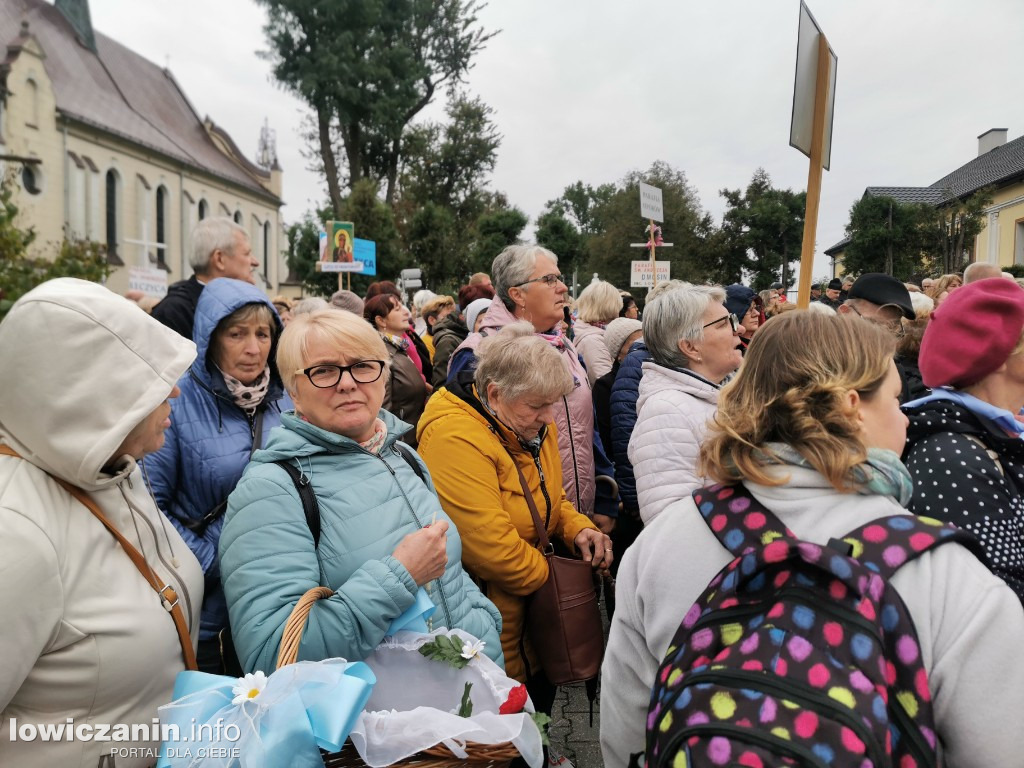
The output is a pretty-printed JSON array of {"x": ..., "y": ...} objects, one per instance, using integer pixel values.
[
  {"x": 118, "y": 91},
  {"x": 1000, "y": 165}
]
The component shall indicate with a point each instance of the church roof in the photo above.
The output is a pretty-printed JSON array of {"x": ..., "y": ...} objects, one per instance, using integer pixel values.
[{"x": 119, "y": 91}]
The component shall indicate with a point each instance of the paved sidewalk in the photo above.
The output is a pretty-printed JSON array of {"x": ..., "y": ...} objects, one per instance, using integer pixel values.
[{"x": 570, "y": 731}]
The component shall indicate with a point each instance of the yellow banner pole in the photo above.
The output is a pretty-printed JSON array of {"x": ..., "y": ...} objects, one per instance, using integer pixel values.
[{"x": 814, "y": 176}]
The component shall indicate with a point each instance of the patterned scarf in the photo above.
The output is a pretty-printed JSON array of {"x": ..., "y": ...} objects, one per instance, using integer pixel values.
[
  {"x": 248, "y": 397},
  {"x": 399, "y": 341},
  {"x": 380, "y": 434},
  {"x": 883, "y": 472}
]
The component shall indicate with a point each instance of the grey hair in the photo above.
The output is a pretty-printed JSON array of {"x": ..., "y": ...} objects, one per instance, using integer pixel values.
[
  {"x": 521, "y": 363},
  {"x": 209, "y": 235},
  {"x": 309, "y": 305},
  {"x": 599, "y": 302},
  {"x": 664, "y": 285},
  {"x": 513, "y": 266},
  {"x": 823, "y": 309},
  {"x": 675, "y": 316}
]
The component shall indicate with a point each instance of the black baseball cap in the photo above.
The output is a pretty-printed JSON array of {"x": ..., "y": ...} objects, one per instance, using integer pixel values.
[{"x": 882, "y": 289}]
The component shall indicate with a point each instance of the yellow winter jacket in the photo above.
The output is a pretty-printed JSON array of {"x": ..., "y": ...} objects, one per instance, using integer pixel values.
[{"x": 467, "y": 452}]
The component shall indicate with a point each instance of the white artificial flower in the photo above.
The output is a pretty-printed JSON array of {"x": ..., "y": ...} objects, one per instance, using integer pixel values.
[
  {"x": 469, "y": 650},
  {"x": 249, "y": 687}
]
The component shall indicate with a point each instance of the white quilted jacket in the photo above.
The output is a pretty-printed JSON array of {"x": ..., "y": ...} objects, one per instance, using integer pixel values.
[{"x": 673, "y": 410}]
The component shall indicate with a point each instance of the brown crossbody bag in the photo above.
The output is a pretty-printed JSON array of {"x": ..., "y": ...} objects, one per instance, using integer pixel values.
[
  {"x": 563, "y": 618},
  {"x": 168, "y": 595}
]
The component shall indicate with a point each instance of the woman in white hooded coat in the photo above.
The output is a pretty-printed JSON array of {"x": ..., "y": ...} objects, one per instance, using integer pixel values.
[{"x": 85, "y": 381}]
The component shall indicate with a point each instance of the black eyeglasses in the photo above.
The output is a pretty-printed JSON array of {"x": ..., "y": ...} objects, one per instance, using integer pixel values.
[
  {"x": 733, "y": 321},
  {"x": 326, "y": 375},
  {"x": 548, "y": 280}
]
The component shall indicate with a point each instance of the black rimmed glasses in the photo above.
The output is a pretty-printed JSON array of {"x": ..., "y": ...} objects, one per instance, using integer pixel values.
[
  {"x": 327, "y": 375},
  {"x": 895, "y": 327},
  {"x": 734, "y": 322},
  {"x": 548, "y": 280}
]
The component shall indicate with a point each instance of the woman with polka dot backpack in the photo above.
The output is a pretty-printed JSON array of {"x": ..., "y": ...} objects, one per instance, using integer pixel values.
[{"x": 795, "y": 613}]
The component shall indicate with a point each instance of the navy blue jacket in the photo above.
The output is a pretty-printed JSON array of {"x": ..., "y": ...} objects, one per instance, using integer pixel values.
[
  {"x": 625, "y": 392},
  {"x": 208, "y": 443}
]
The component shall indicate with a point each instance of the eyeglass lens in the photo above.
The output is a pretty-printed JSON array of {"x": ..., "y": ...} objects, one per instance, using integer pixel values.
[{"x": 363, "y": 372}]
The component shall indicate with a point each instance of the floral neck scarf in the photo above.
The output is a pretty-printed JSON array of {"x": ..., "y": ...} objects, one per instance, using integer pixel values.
[
  {"x": 248, "y": 397},
  {"x": 380, "y": 434},
  {"x": 399, "y": 341}
]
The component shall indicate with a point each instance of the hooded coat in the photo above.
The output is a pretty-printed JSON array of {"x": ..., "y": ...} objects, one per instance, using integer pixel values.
[
  {"x": 368, "y": 503},
  {"x": 210, "y": 439},
  {"x": 449, "y": 332},
  {"x": 574, "y": 417},
  {"x": 84, "y": 635},
  {"x": 468, "y": 452}
]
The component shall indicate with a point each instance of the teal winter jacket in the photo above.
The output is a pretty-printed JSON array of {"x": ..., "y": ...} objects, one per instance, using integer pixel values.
[{"x": 368, "y": 504}]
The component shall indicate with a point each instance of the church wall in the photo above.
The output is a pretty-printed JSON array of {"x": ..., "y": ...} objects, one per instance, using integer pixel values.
[{"x": 75, "y": 159}]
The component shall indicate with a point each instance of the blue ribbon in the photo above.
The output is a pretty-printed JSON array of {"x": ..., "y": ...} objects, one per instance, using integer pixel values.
[
  {"x": 304, "y": 707},
  {"x": 414, "y": 619}
]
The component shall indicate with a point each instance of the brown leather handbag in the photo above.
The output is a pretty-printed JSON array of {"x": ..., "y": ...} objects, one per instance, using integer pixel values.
[{"x": 563, "y": 618}]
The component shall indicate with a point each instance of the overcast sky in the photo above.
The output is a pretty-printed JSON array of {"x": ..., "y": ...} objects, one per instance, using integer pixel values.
[{"x": 592, "y": 89}]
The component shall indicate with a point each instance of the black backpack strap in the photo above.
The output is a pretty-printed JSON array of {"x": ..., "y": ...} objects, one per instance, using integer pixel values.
[
  {"x": 406, "y": 453},
  {"x": 737, "y": 519},
  {"x": 886, "y": 544},
  {"x": 307, "y": 496}
]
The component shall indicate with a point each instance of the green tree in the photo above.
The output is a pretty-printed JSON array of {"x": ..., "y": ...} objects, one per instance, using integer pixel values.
[
  {"x": 952, "y": 227},
  {"x": 366, "y": 68},
  {"x": 559, "y": 235},
  {"x": 495, "y": 230},
  {"x": 768, "y": 223},
  {"x": 443, "y": 189},
  {"x": 885, "y": 236}
]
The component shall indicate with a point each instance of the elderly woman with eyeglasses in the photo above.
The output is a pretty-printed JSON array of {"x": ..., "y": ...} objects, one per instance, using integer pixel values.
[
  {"x": 528, "y": 286},
  {"x": 383, "y": 533},
  {"x": 694, "y": 342}
]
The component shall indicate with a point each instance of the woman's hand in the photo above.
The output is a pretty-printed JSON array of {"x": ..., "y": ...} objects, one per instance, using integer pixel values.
[
  {"x": 595, "y": 547},
  {"x": 424, "y": 552}
]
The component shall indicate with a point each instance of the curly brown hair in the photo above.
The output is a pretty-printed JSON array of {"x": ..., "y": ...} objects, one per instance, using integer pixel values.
[{"x": 794, "y": 388}]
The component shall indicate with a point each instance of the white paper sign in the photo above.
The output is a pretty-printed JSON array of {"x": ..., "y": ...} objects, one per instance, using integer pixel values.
[
  {"x": 339, "y": 266},
  {"x": 152, "y": 282},
  {"x": 650, "y": 203},
  {"x": 641, "y": 275}
]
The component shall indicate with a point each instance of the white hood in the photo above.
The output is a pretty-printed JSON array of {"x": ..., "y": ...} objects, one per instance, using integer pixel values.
[{"x": 80, "y": 367}]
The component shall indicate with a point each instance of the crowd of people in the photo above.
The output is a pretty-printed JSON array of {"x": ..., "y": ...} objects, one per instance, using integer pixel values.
[{"x": 247, "y": 452}]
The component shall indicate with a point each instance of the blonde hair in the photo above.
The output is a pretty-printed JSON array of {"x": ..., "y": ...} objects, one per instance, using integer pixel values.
[
  {"x": 434, "y": 307},
  {"x": 599, "y": 302},
  {"x": 794, "y": 388},
  {"x": 352, "y": 336},
  {"x": 942, "y": 285},
  {"x": 519, "y": 363}
]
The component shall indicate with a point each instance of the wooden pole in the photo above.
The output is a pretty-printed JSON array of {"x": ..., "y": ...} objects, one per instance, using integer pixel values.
[{"x": 814, "y": 175}]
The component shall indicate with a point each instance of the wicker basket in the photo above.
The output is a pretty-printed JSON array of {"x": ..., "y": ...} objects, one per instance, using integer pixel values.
[{"x": 439, "y": 756}]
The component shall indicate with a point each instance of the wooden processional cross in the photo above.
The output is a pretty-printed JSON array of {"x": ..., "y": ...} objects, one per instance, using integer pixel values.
[{"x": 654, "y": 241}]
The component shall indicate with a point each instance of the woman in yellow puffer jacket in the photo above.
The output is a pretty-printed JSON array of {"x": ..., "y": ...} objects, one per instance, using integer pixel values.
[{"x": 473, "y": 435}]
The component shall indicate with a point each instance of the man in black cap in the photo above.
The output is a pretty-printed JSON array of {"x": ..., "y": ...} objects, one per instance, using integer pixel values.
[
  {"x": 831, "y": 297},
  {"x": 883, "y": 300}
]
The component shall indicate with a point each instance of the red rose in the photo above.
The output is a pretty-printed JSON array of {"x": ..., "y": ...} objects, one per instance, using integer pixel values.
[{"x": 515, "y": 702}]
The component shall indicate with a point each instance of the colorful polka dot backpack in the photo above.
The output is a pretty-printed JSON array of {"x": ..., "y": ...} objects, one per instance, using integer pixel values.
[{"x": 797, "y": 654}]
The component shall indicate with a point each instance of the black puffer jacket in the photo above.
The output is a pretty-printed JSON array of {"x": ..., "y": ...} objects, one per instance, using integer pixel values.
[{"x": 969, "y": 472}]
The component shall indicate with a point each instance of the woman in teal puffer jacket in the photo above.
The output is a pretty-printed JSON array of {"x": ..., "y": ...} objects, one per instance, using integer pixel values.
[{"x": 383, "y": 532}]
